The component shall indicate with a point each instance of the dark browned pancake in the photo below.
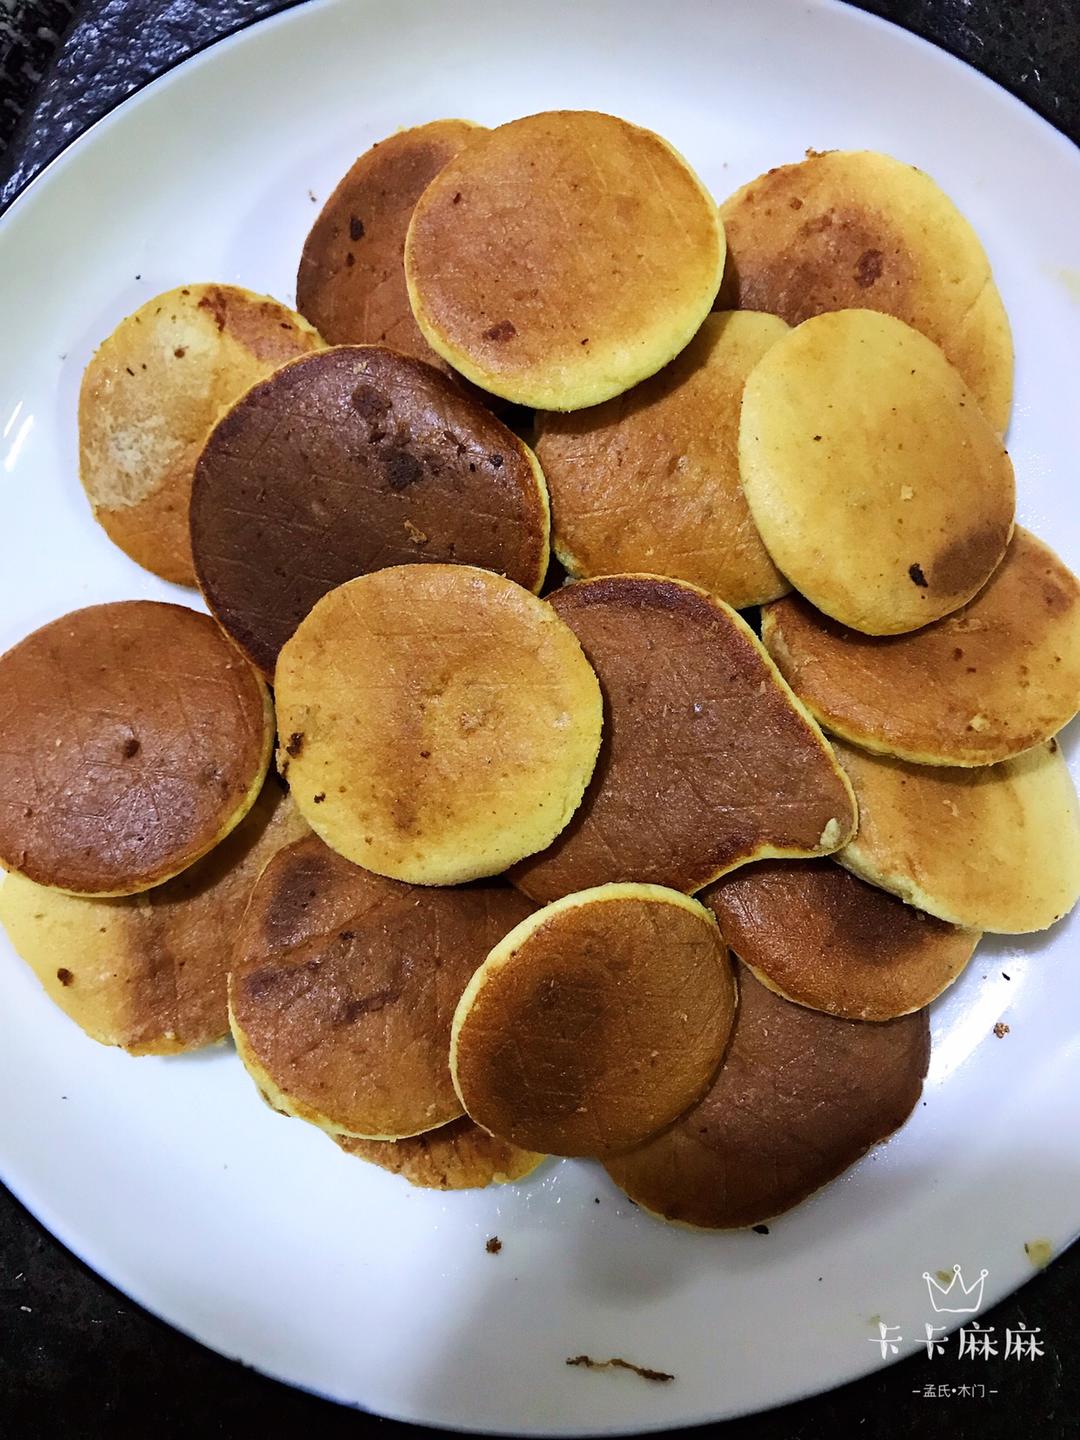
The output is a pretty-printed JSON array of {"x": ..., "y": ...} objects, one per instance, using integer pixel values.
[
  {"x": 351, "y": 282},
  {"x": 134, "y": 738},
  {"x": 595, "y": 1022},
  {"x": 985, "y": 683},
  {"x": 147, "y": 972},
  {"x": 350, "y": 461},
  {"x": 344, "y": 988},
  {"x": 799, "y": 1097},
  {"x": 458, "y": 1156},
  {"x": 707, "y": 760},
  {"x": 817, "y": 935}
]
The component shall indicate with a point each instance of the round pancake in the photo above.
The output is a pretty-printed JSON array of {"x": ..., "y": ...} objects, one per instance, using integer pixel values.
[
  {"x": 347, "y": 462},
  {"x": 707, "y": 761},
  {"x": 879, "y": 487},
  {"x": 351, "y": 282},
  {"x": 437, "y": 722},
  {"x": 504, "y": 295},
  {"x": 595, "y": 1022},
  {"x": 649, "y": 481},
  {"x": 134, "y": 739},
  {"x": 344, "y": 986},
  {"x": 821, "y": 937},
  {"x": 995, "y": 848},
  {"x": 988, "y": 681},
  {"x": 149, "y": 397},
  {"x": 854, "y": 228},
  {"x": 458, "y": 1156},
  {"x": 800, "y": 1097},
  {"x": 147, "y": 972}
]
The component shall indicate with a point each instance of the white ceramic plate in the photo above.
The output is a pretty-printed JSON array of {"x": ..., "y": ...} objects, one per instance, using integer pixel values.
[{"x": 252, "y": 1232}]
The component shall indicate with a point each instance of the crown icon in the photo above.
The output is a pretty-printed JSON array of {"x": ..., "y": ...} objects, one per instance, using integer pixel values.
[{"x": 965, "y": 1299}]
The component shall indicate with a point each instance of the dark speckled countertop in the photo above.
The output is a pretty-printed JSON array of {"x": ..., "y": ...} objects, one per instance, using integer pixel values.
[{"x": 79, "y": 1359}]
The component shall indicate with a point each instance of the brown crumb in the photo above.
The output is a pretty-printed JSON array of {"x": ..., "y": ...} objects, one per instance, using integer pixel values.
[
  {"x": 760, "y": 1229},
  {"x": 65, "y": 977},
  {"x": 494, "y": 1245},
  {"x": 318, "y": 799},
  {"x": 180, "y": 351},
  {"x": 295, "y": 744},
  {"x": 916, "y": 573},
  {"x": 660, "y": 1376},
  {"x": 1001, "y": 1029},
  {"x": 356, "y": 228}
]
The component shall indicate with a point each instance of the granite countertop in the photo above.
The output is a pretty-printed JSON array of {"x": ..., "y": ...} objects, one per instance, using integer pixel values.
[{"x": 76, "y": 1357}]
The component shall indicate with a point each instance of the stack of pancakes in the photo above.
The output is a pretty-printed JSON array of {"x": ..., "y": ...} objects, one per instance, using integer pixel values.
[{"x": 664, "y": 698}]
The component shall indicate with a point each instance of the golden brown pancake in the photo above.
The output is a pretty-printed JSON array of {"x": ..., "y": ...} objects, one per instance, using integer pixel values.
[
  {"x": 800, "y": 1097},
  {"x": 853, "y": 228},
  {"x": 595, "y": 1022},
  {"x": 344, "y": 986},
  {"x": 990, "y": 680},
  {"x": 149, "y": 397},
  {"x": 347, "y": 462},
  {"x": 563, "y": 257},
  {"x": 437, "y": 722},
  {"x": 821, "y": 937},
  {"x": 147, "y": 972},
  {"x": 708, "y": 761},
  {"x": 649, "y": 481},
  {"x": 458, "y": 1156},
  {"x": 351, "y": 283},
  {"x": 879, "y": 487},
  {"x": 995, "y": 848},
  {"x": 134, "y": 738}
]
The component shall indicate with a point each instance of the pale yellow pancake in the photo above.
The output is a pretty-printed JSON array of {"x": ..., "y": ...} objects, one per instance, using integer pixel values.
[
  {"x": 437, "y": 722},
  {"x": 855, "y": 228},
  {"x": 147, "y": 972},
  {"x": 879, "y": 487},
  {"x": 595, "y": 1022},
  {"x": 150, "y": 396},
  {"x": 995, "y": 848},
  {"x": 649, "y": 481},
  {"x": 988, "y": 681},
  {"x": 563, "y": 257},
  {"x": 458, "y": 1156}
]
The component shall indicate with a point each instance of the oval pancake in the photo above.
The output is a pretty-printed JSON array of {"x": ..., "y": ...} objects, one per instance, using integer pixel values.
[
  {"x": 854, "y": 228},
  {"x": 708, "y": 761},
  {"x": 879, "y": 487},
  {"x": 649, "y": 481},
  {"x": 134, "y": 739},
  {"x": 799, "y": 1098},
  {"x": 351, "y": 282},
  {"x": 995, "y": 848},
  {"x": 346, "y": 462},
  {"x": 147, "y": 972},
  {"x": 988, "y": 681},
  {"x": 149, "y": 397},
  {"x": 458, "y": 1156},
  {"x": 563, "y": 257},
  {"x": 437, "y": 722},
  {"x": 595, "y": 1022},
  {"x": 821, "y": 937},
  {"x": 344, "y": 986}
]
